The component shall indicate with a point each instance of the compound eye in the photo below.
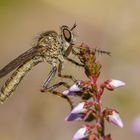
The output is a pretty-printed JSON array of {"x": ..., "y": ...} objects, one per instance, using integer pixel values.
[{"x": 67, "y": 35}]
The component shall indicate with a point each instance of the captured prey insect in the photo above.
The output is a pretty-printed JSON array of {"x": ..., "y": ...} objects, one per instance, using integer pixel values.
[{"x": 51, "y": 47}]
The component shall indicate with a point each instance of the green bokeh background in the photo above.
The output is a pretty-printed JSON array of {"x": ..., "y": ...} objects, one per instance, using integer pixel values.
[{"x": 109, "y": 25}]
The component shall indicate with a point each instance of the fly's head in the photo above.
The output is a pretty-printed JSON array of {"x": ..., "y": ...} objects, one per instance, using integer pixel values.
[{"x": 67, "y": 36}]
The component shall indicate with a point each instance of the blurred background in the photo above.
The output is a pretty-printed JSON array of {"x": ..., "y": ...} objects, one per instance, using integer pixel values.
[{"x": 108, "y": 25}]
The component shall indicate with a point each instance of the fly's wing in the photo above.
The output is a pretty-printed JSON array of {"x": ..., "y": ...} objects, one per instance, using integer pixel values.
[{"x": 20, "y": 60}]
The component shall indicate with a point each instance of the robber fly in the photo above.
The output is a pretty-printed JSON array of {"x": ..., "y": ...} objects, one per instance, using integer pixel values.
[{"x": 51, "y": 47}]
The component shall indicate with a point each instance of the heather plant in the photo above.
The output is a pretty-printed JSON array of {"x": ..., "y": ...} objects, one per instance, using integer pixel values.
[{"x": 90, "y": 109}]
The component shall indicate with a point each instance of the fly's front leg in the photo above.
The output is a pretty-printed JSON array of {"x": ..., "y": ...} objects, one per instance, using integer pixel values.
[
  {"x": 67, "y": 52},
  {"x": 60, "y": 66},
  {"x": 74, "y": 62}
]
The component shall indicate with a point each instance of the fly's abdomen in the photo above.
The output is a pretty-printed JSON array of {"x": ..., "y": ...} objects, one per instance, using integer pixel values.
[{"x": 12, "y": 83}]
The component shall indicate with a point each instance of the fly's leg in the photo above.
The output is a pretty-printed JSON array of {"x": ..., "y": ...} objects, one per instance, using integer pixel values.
[
  {"x": 48, "y": 80},
  {"x": 50, "y": 77},
  {"x": 74, "y": 62},
  {"x": 44, "y": 89},
  {"x": 51, "y": 88},
  {"x": 52, "y": 91},
  {"x": 67, "y": 52},
  {"x": 64, "y": 76},
  {"x": 63, "y": 96}
]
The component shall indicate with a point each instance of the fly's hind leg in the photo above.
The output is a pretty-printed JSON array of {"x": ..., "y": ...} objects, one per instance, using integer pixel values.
[
  {"x": 52, "y": 91},
  {"x": 63, "y": 96}
]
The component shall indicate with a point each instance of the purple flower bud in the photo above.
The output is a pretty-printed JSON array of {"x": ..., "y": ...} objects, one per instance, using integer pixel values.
[
  {"x": 81, "y": 133},
  {"x": 73, "y": 117},
  {"x": 79, "y": 108},
  {"x": 76, "y": 113},
  {"x": 68, "y": 92},
  {"x": 115, "y": 119},
  {"x": 74, "y": 88}
]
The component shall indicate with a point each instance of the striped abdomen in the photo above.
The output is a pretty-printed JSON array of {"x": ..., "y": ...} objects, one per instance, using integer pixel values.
[{"x": 16, "y": 77}]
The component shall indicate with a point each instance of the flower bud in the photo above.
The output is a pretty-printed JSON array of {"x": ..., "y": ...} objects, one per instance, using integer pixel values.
[
  {"x": 79, "y": 108},
  {"x": 112, "y": 84},
  {"x": 81, "y": 133},
  {"x": 115, "y": 119},
  {"x": 74, "y": 88},
  {"x": 76, "y": 113}
]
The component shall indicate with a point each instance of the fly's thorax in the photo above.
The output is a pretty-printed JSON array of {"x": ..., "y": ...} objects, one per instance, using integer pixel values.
[
  {"x": 50, "y": 40},
  {"x": 47, "y": 38},
  {"x": 53, "y": 58},
  {"x": 51, "y": 47}
]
